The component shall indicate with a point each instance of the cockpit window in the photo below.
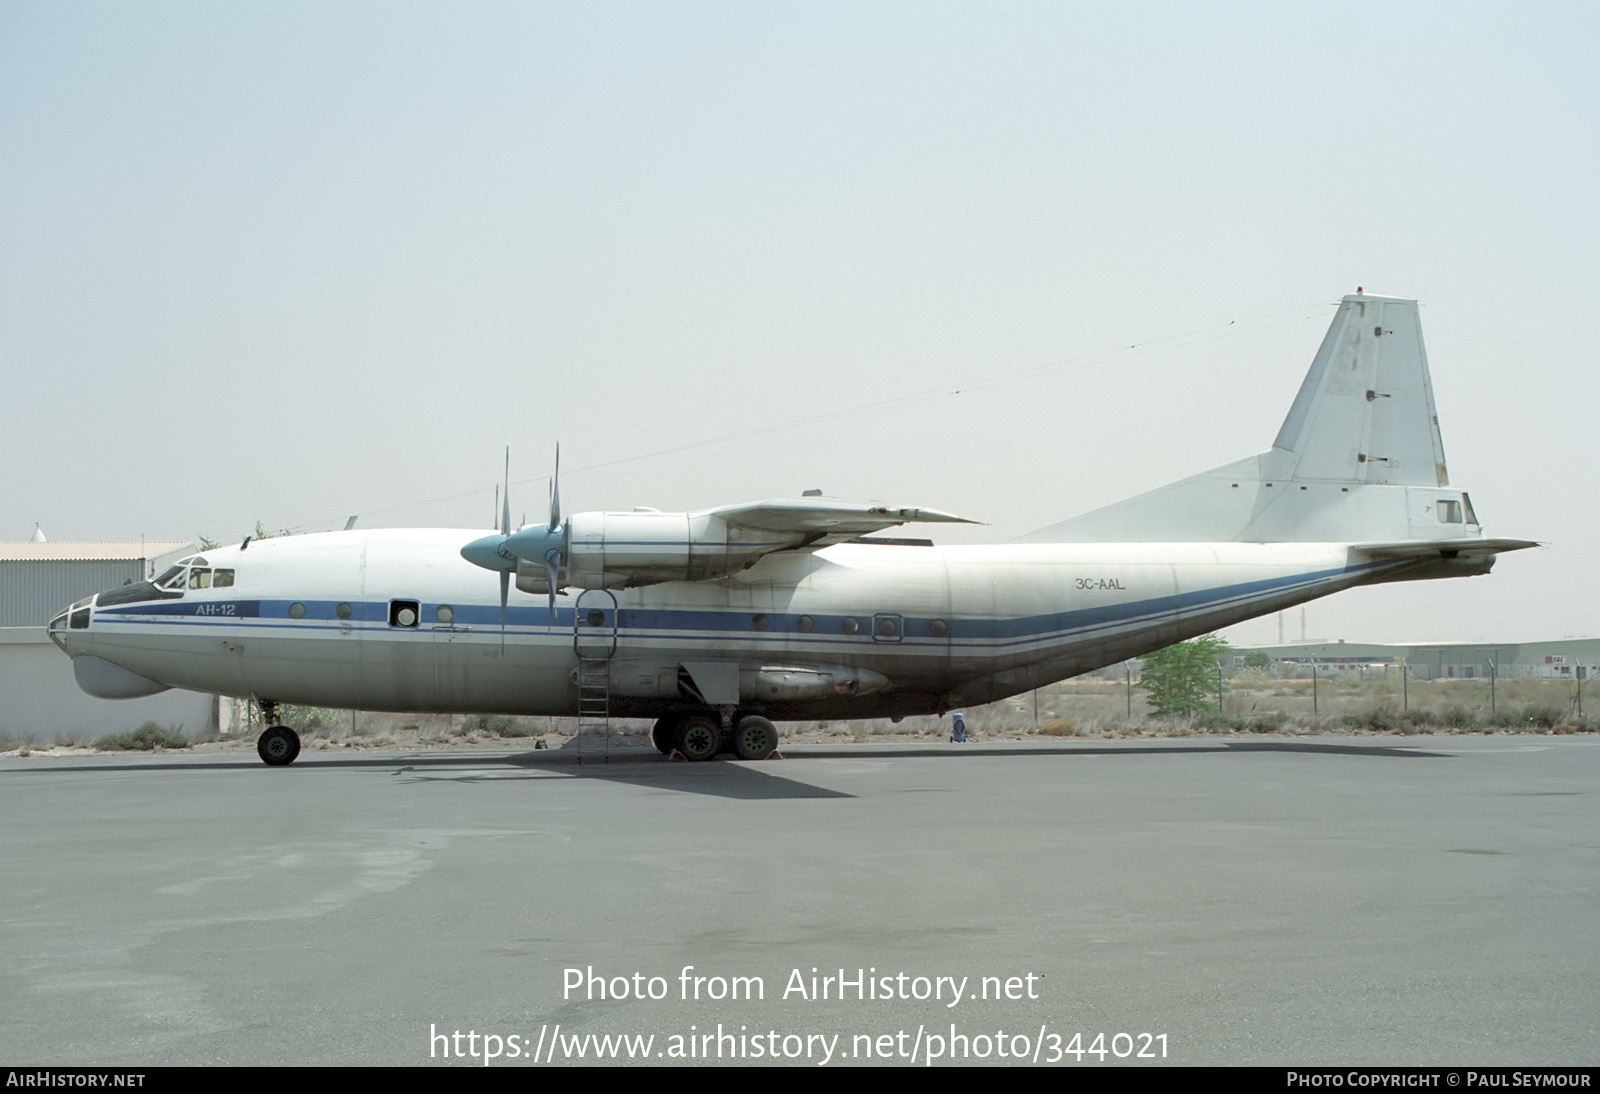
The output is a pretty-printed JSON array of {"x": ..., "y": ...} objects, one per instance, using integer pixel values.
[{"x": 193, "y": 573}]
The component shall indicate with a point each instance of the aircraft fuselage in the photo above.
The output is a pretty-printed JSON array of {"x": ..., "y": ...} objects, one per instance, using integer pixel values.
[{"x": 397, "y": 620}]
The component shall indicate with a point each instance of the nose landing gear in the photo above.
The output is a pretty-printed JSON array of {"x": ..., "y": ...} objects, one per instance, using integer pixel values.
[{"x": 278, "y": 745}]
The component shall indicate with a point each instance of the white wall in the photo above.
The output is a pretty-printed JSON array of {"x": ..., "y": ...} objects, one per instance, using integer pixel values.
[{"x": 40, "y": 699}]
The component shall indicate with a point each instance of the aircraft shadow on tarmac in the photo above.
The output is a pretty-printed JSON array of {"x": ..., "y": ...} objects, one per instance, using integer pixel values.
[
  {"x": 645, "y": 768},
  {"x": 748, "y": 781}
]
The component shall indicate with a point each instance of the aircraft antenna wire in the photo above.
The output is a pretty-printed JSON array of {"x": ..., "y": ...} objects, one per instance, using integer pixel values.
[{"x": 1200, "y": 335}]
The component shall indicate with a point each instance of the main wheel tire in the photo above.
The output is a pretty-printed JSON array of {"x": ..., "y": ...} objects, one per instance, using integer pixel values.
[
  {"x": 662, "y": 734},
  {"x": 699, "y": 737},
  {"x": 278, "y": 746},
  {"x": 755, "y": 738}
]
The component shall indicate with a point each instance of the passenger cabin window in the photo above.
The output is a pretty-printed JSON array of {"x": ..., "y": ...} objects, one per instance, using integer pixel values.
[{"x": 404, "y": 613}]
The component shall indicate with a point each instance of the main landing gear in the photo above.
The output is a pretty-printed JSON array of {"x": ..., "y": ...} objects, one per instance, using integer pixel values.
[
  {"x": 278, "y": 745},
  {"x": 702, "y": 735}
]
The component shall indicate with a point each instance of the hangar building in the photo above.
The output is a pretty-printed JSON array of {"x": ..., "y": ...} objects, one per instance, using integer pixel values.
[{"x": 39, "y": 697}]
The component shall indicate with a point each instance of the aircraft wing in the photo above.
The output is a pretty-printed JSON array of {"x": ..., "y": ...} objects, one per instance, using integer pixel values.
[
  {"x": 816, "y": 522},
  {"x": 1443, "y": 548},
  {"x": 605, "y": 550}
]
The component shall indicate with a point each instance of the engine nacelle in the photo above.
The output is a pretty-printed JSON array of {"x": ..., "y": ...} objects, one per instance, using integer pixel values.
[{"x": 623, "y": 550}]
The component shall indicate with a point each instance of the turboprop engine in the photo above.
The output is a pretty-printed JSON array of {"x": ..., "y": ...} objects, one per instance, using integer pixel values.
[
  {"x": 624, "y": 550},
  {"x": 647, "y": 546},
  {"x": 644, "y": 547}
]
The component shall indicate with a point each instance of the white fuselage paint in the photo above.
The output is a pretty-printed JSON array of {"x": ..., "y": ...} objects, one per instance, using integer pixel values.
[{"x": 945, "y": 626}]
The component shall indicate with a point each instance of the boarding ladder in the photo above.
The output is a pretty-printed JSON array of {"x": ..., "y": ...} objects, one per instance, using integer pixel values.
[{"x": 594, "y": 640}]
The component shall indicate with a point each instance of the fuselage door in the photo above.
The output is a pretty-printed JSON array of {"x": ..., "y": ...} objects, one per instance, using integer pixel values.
[
  {"x": 594, "y": 625},
  {"x": 452, "y": 654}
]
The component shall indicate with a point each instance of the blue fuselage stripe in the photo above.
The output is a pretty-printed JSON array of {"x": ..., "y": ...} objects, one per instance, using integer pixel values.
[{"x": 727, "y": 624}]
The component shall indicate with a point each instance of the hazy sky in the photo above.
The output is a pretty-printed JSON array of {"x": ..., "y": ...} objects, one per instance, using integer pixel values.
[{"x": 290, "y": 263}]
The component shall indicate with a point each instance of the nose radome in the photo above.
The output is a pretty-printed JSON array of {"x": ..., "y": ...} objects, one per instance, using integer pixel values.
[{"x": 105, "y": 680}]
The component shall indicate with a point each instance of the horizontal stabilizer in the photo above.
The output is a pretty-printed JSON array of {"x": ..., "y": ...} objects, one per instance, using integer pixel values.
[{"x": 1446, "y": 548}]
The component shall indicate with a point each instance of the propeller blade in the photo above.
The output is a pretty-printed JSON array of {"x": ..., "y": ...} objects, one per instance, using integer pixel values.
[
  {"x": 505, "y": 532},
  {"x": 555, "y": 492},
  {"x": 552, "y": 574},
  {"x": 505, "y": 519},
  {"x": 505, "y": 591}
]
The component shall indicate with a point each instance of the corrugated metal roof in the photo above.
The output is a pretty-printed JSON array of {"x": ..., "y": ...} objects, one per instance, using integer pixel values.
[{"x": 109, "y": 551}]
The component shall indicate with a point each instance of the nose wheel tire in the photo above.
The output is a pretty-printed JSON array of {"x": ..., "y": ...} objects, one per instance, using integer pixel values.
[
  {"x": 755, "y": 738},
  {"x": 698, "y": 738},
  {"x": 278, "y": 746}
]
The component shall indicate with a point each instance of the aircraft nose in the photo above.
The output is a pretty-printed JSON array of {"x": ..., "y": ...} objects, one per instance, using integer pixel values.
[
  {"x": 73, "y": 618},
  {"x": 71, "y": 630}
]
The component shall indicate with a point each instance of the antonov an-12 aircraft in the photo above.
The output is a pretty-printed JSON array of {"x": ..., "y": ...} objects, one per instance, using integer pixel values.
[{"x": 721, "y": 622}]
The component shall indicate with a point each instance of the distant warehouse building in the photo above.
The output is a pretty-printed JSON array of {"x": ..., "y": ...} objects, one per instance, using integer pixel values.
[
  {"x": 39, "y": 696},
  {"x": 1561, "y": 658}
]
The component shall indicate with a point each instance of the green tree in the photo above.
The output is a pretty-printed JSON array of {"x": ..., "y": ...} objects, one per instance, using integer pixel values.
[
  {"x": 1257, "y": 659},
  {"x": 262, "y": 533},
  {"x": 209, "y": 544},
  {"x": 1182, "y": 679}
]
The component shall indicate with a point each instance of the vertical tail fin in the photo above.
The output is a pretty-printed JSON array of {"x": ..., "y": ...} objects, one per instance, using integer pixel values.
[
  {"x": 1358, "y": 458},
  {"x": 1365, "y": 412}
]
